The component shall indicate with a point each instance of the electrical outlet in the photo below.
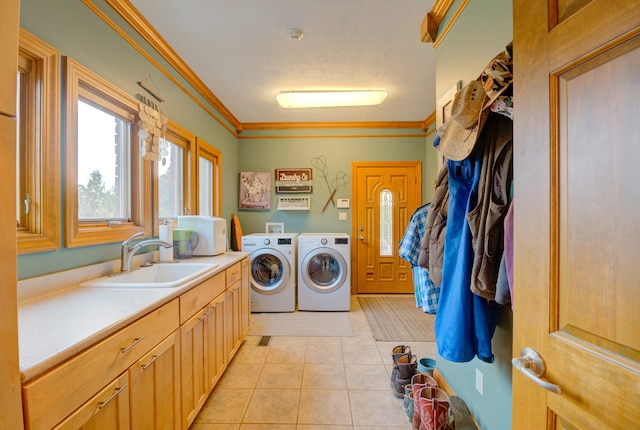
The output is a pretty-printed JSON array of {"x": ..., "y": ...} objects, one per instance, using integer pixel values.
[
  {"x": 479, "y": 382},
  {"x": 342, "y": 216}
]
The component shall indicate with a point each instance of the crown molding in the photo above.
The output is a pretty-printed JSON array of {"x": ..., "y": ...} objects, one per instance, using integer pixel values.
[
  {"x": 330, "y": 125},
  {"x": 139, "y": 23},
  {"x": 431, "y": 22}
]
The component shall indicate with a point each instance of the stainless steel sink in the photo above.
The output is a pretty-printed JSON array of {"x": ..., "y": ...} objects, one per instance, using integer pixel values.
[{"x": 156, "y": 276}]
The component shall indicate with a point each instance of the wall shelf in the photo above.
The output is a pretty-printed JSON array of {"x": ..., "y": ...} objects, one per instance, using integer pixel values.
[{"x": 294, "y": 203}]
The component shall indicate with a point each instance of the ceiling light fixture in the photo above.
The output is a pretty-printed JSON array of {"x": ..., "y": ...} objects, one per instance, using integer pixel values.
[{"x": 308, "y": 99}]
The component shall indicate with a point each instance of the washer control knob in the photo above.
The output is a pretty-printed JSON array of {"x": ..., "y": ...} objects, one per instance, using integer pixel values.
[
  {"x": 267, "y": 241},
  {"x": 324, "y": 241}
]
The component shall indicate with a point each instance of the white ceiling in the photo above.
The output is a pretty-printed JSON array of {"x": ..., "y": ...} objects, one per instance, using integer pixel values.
[{"x": 241, "y": 50}]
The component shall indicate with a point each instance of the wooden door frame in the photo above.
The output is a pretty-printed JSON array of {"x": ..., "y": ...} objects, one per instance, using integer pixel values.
[{"x": 417, "y": 164}]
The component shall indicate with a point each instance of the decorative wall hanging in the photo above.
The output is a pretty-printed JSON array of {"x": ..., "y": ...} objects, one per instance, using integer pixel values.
[
  {"x": 255, "y": 190},
  {"x": 294, "y": 180},
  {"x": 152, "y": 126}
]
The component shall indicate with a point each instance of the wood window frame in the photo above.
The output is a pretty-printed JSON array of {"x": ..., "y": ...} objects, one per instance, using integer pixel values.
[
  {"x": 80, "y": 80},
  {"x": 40, "y": 140},
  {"x": 208, "y": 152},
  {"x": 187, "y": 141}
]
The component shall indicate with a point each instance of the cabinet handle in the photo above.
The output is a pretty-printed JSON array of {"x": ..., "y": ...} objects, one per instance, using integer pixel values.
[
  {"x": 136, "y": 341},
  {"x": 204, "y": 315},
  {"x": 154, "y": 358},
  {"x": 111, "y": 397}
]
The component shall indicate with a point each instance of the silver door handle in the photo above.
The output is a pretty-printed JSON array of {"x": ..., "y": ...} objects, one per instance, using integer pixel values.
[
  {"x": 361, "y": 237},
  {"x": 532, "y": 366}
]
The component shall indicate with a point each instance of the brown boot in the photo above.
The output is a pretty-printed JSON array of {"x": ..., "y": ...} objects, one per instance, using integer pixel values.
[
  {"x": 395, "y": 352},
  {"x": 407, "y": 367}
]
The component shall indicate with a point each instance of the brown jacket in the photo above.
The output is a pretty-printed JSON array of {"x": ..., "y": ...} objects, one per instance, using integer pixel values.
[
  {"x": 486, "y": 219},
  {"x": 432, "y": 243}
]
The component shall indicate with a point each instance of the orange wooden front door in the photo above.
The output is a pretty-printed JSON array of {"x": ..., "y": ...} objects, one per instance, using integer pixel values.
[
  {"x": 577, "y": 203},
  {"x": 385, "y": 194}
]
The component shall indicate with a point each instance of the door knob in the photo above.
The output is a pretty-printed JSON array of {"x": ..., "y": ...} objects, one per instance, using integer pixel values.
[
  {"x": 532, "y": 366},
  {"x": 361, "y": 237}
]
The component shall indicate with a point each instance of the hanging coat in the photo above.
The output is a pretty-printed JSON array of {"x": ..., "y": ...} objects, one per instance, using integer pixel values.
[
  {"x": 486, "y": 219},
  {"x": 432, "y": 243},
  {"x": 465, "y": 322},
  {"x": 426, "y": 293}
]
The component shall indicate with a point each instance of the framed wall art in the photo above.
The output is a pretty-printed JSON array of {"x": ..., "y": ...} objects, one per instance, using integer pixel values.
[
  {"x": 255, "y": 190},
  {"x": 294, "y": 180}
]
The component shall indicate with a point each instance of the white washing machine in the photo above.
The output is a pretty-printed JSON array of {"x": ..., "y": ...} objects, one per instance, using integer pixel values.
[
  {"x": 272, "y": 271},
  {"x": 324, "y": 272}
]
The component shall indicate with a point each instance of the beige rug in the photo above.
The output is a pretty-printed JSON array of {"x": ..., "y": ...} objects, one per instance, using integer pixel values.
[
  {"x": 397, "y": 319},
  {"x": 301, "y": 324}
]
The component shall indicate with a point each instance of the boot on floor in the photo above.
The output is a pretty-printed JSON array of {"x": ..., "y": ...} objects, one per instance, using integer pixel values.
[
  {"x": 418, "y": 382},
  {"x": 395, "y": 352},
  {"x": 433, "y": 405},
  {"x": 407, "y": 367}
]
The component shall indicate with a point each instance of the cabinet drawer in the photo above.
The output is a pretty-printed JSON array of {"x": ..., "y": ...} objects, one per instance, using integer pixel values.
[
  {"x": 51, "y": 397},
  {"x": 109, "y": 409},
  {"x": 198, "y": 297},
  {"x": 234, "y": 273}
]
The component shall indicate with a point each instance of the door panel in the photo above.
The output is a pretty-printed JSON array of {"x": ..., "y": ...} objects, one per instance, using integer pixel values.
[
  {"x": 576, "y": 231},
  {"x": 385, "y": 196}
]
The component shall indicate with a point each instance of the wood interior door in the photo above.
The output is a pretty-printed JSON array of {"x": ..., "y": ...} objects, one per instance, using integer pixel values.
[
  {"x": 577, "y": 200},
  {"x": 385, "y": 195}
]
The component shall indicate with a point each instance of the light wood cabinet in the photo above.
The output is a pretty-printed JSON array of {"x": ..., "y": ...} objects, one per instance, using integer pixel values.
[
  {"x": 50, "y": 398},
  {"x": 216, "y": 351},
  {"x": 109, "y": 409},
  {"x": 245, "y": 300},
  {"x": 155, "y": 373},
  {"x": 211, "y": 336},
  {"x": 232, "y": 319},
  {"x": 155, "y": 387},
  {"x": 195, "y": 388}
]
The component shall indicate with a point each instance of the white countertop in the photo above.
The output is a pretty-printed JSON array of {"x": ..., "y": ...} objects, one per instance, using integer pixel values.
[{"x": 55, "y": 326}]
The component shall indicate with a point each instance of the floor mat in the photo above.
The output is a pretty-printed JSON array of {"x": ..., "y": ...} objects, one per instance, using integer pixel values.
[
  {"x": 301, "y": 324},
  {"x": 397, "y": 319}
]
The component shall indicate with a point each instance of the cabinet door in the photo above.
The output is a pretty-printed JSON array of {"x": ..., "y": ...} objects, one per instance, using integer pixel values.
[
  {"x": 217, "y": 359},
  {"x": 109, "y": 409},
  {"x": 232, "y": 319},
  {"x": 245, "y": 300},
  {"x": 195, "y": 388},
  {"x": 155, "y": 387}
]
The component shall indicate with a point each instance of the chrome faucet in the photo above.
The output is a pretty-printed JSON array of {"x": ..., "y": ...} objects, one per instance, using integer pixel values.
[{"x": 129, "y": 251}]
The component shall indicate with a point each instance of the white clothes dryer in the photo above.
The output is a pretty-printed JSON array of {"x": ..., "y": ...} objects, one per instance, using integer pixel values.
[
  {"x": 324, "y": 272},
  {"x": 272, "y": 271}
]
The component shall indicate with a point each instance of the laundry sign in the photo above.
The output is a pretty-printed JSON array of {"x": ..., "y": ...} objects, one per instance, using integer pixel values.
[{"x": 294, "y": 180}]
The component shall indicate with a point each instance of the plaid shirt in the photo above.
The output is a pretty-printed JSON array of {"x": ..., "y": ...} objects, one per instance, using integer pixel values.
[{"x": 426, "y": 292}]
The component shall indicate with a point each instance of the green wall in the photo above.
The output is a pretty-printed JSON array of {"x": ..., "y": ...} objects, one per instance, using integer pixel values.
[
  {"x": 340, "y": 150},
  {"x": 79, "y": 33},
  {"x": 482, "y": 30}
]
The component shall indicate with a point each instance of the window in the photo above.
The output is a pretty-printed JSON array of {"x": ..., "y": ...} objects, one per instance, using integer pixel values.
[
  {"x": 173, "y": 172},
  {"x": 37, "y": 146},
  {"x": 209, "y": 184},
  {"x": 386, "y": 223},
  {"x": 106, "y": 181}
]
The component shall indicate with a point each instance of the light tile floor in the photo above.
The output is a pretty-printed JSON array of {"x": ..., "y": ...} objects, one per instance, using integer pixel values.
[{"x": 310, "y": 383}]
